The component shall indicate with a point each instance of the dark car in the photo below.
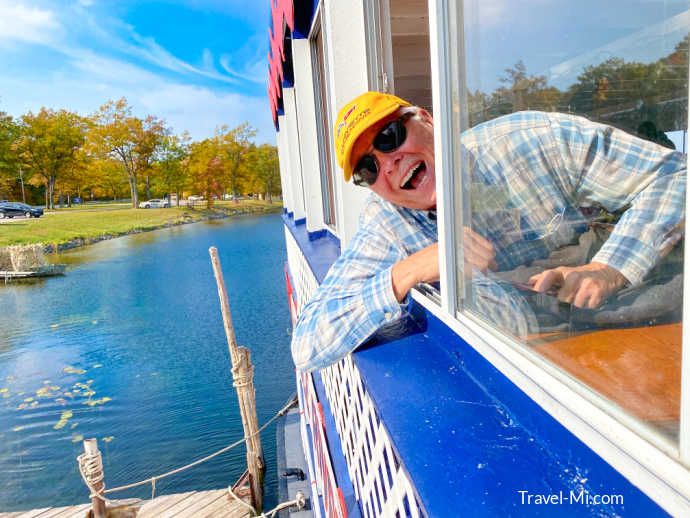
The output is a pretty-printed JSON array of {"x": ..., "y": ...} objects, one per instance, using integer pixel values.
[{"x": 11, "y": 209}]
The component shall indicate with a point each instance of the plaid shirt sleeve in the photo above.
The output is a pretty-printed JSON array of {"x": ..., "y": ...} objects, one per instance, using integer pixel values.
[
  {"x": 356, "y": 298},
  {"x": 617, "y": 170}
]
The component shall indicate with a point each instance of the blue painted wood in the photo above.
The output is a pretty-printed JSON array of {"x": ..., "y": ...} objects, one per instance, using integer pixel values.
[
  {"x": 318, "y": 234},
  {"x": 320, "y": 253},
  {"x": 471, "y": 440},
  {"x": 304, "y": 14},
  {"x": 301, "y": 221}
]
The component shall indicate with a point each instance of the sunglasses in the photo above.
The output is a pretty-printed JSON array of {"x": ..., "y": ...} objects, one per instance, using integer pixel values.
[{"x": 390, "y": 138}]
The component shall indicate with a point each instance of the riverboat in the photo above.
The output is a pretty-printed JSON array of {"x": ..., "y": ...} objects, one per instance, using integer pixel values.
[{"x": 451, "y": 415}]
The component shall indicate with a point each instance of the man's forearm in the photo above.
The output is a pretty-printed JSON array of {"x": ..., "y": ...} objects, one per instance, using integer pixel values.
[
  {"x": 422, "y": 266},
  {"x": 403, "y": 277}
]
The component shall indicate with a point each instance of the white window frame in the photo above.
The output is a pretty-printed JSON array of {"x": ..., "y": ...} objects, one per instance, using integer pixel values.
[
  {"x": 652, "y": 462},
  {"x": 379, "y": 49},
  {"x": 324, "y": 147}
]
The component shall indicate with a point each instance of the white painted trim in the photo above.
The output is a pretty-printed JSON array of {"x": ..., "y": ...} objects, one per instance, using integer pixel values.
[
  {"x": 443, "y": 152},
  {"x": 685, "y": 361},
  {"x": 316, "y": 506},
  {"x": 388, "y": 67},
  {"x": 644, "y": 464},
  {"x": 645, "y": 457},
  {"x": 291, "y": 120}
]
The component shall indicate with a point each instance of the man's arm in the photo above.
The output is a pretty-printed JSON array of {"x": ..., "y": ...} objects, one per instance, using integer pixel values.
[
  {"x": 614, "y": 169},
  {"x": 420, "y": 267},
  {"x": 423, "y": 266},
  {"x": 355, "y": 299}
]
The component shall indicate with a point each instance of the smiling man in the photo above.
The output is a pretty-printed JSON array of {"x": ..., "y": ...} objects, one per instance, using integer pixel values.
[{"x": 531, "y": 175}]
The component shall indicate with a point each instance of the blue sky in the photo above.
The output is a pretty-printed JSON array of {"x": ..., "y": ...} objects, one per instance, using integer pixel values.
[
  {"x": 559, "y": 38},
  {"x": 195, "y": 63}
]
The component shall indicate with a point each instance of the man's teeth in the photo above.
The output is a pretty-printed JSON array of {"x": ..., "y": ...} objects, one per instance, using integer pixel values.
[{"x": 408, "y": 177}]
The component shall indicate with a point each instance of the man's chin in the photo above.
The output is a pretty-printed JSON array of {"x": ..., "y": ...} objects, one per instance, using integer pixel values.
[{"x": 421, "y": 203}]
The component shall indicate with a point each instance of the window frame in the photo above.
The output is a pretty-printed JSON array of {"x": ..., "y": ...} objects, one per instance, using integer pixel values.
[
  {"x": 379, "y": 48},
  {"x": 648, "y": 459},
  {"x": 321, "y": 87}
]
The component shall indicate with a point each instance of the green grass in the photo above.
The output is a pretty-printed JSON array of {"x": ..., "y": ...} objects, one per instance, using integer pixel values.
[
  {"x": 61, "y": 228},
  {"x": 88, "y": 206}
]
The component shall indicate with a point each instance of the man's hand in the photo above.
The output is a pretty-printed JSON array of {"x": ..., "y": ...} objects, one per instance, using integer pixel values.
[
  {"x": 585, "y": 286},
  {"x": 478, "y": 252},
  {"x": 422, "y": 266}
]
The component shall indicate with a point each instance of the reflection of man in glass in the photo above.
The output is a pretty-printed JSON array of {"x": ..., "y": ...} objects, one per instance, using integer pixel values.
[{"x": 532, "y": 174}]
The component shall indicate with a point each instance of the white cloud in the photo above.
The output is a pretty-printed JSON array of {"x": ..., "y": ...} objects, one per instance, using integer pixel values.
[
  {"x": 646, "y": 45},
  {"x": 85, "y": 79},
  {"x": 91, "y": 80},
  {"x": 199, "y": 110},
  {"x": 20, "y": 23},
  {"x": 249, "y": 62}
]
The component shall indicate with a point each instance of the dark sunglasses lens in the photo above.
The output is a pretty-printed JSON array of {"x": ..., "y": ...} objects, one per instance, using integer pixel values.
[
  {"x": 391, "y": 137},
  {"x": 366, "y": 171}
]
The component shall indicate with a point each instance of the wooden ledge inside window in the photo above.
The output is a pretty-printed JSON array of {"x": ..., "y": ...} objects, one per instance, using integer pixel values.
[{"x": 637, "y": 368}]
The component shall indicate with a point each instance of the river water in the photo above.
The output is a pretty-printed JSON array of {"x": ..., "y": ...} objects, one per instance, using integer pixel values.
[{"x": 129, "y": 347}]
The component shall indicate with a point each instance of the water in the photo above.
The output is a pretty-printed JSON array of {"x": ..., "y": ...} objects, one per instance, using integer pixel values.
[{"x": 131, "y": 342}]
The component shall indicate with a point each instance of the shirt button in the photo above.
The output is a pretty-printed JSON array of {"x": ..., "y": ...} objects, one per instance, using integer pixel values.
[{"x": 388, "y": 316}]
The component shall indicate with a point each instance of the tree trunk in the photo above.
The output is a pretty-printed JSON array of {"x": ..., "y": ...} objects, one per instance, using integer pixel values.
[
  {"x": 133, "y": 190},
  {"x": 148, "y": 187},
  {"x": 52, "y": 190}
]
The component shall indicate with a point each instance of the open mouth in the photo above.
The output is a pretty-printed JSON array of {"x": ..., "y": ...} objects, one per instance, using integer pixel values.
[{"x": 414, "y": 177}]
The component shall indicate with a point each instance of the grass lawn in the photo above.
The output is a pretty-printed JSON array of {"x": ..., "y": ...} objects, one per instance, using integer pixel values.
[
  {"x": 89, "y": 206},
  {"x": 60, "y": 228}
]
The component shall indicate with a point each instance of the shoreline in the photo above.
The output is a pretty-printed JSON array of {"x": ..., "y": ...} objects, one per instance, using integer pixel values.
[{"x": 187, "y": 219}]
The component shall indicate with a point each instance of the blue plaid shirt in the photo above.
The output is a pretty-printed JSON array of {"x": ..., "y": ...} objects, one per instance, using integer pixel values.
[{"x": 531, "y": 173}]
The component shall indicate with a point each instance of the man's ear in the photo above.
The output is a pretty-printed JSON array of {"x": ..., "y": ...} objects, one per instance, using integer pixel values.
[{"x": 426, "y": 116}]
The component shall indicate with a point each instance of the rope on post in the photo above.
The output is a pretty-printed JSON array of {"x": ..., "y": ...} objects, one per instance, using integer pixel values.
[
  {"x": 152, "y": 480},
  {"x": 242, "y": 375},
  {"x": 91, "y": 470}
]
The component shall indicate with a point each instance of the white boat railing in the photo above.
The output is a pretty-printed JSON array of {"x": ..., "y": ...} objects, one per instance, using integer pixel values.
[{"x": 382, "y": 485}]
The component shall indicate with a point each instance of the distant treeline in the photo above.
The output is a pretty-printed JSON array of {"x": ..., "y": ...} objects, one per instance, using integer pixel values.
[
  {"x": 640, "y": 98},
  {"x": 112, "y": 154}
]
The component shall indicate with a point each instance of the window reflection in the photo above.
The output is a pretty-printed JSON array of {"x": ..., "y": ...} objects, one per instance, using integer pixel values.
[{"x": 580, "y": 196}]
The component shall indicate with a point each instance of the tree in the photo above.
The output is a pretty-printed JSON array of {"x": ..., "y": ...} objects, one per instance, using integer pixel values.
[
  {"x": 264, "y": 159},
  {"x": 9, "y": 163},
  {"x": 130, "y": 140},
  {"x": 206, "y": 168},
  {"x": 106, "y": 178},
  {"x": 48, "y": 145},
  {"x": 235, "y": 146},
  {"x": 172, "y": 164}
]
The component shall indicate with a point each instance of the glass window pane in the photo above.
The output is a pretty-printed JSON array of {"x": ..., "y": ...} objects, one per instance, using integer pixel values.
[
  {"x": 574, "y": 207},
  {"x": 409, "y": 25},
  {"x": 327, "y": 187}
]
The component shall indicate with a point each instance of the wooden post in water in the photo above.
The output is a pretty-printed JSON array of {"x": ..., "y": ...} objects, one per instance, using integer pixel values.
[
  {"x": 243, "y": 381},
  {"x": 98, "y": 505}
]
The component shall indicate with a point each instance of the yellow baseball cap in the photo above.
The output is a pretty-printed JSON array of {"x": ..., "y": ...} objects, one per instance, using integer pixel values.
[{"x": 355, "y": 118}]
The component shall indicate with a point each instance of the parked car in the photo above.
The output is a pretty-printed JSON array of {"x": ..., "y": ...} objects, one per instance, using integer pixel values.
[
  {"x": 195, "y": 198},
  {"x": 11, "y": 209},
  {"x": 154, "y": 204}
]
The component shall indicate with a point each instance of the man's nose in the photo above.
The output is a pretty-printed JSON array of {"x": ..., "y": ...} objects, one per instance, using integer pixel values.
[{"x": 388, "y": 162}]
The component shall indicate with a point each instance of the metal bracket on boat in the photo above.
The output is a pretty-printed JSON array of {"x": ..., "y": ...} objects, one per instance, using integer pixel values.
[{"x": 294, "y": 472}]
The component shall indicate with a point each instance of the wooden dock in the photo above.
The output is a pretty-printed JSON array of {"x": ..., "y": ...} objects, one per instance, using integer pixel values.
[{"x": 198, "y": 504}]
